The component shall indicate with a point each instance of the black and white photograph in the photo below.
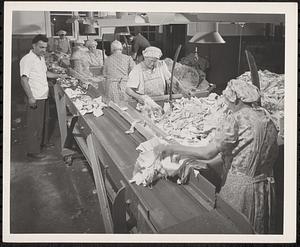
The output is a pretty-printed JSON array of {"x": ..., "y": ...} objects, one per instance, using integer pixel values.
[{"x": 172, "y": 122}]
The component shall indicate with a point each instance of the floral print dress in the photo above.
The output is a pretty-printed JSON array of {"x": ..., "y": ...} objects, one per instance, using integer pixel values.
[{"x": 248, "y": 142}]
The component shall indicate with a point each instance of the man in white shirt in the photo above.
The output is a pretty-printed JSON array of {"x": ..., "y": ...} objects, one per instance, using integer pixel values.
[{"x": 33, "y": 72}]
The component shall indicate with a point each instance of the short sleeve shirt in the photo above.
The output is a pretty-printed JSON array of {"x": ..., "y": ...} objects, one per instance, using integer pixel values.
[
  {"x": 226, "y": 137},
  {"x": 35, "y": 69},
  {"x": 141, "y": 75}
]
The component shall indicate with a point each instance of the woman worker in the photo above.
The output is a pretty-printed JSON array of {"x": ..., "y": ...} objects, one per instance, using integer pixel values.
[
  {"x": 95, "y": 55},
  {"x": 62, "y": 44},
  {"x": 79, "y": 59},
  {"x": 247, "y": 143},
  {"x": 150, "y": 77},
  {"x": 116, "y": 70}
]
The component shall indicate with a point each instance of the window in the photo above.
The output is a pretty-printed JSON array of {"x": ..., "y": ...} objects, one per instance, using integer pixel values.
[
  {"x": 149, "y": 32},
  {"x": 58, "y": 21}
]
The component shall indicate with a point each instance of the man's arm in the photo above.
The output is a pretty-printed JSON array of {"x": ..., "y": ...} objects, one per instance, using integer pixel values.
[
  {"x": 54, "y": 75},
  {"x": 27, "y": 89},
  {"x": 69, "y": 47},
  {"x": 134, "y": 55}
]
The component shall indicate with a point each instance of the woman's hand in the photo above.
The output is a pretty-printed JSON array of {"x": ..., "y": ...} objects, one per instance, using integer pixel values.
[
  {"x": 186, "y": 93},
  {"x": 163, "y": 151},
  {"x": 151, "y": 103}
]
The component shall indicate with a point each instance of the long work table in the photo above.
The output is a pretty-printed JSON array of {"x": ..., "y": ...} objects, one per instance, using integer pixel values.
[{"x": 166, "y": 207}]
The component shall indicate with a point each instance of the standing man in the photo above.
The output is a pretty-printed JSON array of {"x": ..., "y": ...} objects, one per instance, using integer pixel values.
[
  {"x": 139, "y": 43},
  {"x": 33, "y": 72}
]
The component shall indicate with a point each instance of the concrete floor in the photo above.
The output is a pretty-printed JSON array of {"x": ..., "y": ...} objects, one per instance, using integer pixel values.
[{"x": 49, "y": 196}]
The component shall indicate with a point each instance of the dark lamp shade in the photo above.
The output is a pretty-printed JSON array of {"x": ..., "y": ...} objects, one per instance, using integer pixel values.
[
  {"x": 122, "y": 31},
  {"x": 207, "y": 38},
  {"x": 89, "y": 29}
]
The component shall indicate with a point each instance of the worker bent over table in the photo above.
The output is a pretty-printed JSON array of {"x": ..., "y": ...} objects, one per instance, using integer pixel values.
[
  {"x": 150, "y": 77},
  {"x": 33, "y": 72}
]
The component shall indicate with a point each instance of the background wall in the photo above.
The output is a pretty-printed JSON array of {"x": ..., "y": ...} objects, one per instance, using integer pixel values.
[
  {"x": 29, "y": 22},
  {"x": 264, "y": 41}
]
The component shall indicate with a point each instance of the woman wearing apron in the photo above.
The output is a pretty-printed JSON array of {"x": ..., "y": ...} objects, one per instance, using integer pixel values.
[
  {"x": 247, "y": 142},
  {"x": 150, "y": 77}
]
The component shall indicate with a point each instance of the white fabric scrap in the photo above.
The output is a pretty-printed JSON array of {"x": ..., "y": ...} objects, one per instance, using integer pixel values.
[
  {"x": 196, "y": 172},
  {"x": 98, "y": 112},
  {"x": 83, "y": 112},
  {"x": 150, "y": 144},
  {"x": 131, "y": 130},
  {"x": 124, "y": 108}
]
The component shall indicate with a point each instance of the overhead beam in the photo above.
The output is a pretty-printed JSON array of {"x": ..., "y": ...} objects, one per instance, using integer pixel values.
[{"x": 233, "y": 18}]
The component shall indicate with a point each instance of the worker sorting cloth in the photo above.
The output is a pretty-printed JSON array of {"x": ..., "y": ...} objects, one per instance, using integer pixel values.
[
  {"x": 147, "y": 81},
  {"x": 116, "y": 69}
]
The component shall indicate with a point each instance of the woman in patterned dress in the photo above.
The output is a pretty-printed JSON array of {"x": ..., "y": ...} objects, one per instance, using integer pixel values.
[
  {"x": 116, "y": 70},
  {"x": 79, "y": 59},
  {"x": 247, "y": 142}
]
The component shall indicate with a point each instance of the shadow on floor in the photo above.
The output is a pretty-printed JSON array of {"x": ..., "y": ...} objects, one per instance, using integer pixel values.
[{"x": 49, "y": 196}]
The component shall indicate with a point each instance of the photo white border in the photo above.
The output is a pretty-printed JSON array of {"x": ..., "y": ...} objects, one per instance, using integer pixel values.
[{"x": 290, "y": 126}]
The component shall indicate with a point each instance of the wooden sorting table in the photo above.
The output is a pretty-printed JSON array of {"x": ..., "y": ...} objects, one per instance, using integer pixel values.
[{"x": 125, "y": 207}]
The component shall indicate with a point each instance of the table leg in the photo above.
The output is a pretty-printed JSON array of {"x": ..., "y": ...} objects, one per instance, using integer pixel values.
[
  {"x": 60, "y": 100},
  {"x": 100, "y": 185}
]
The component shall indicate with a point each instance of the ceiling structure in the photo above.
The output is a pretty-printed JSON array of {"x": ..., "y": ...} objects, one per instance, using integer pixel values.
[{"x": 166, "y": 18}]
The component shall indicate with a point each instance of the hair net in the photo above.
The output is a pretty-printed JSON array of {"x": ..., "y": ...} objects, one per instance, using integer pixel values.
[
  {"x": 152, "y": 51},
  {"x": 78, "y": 41},
  {"x": 116, "y": 45},
  {"x": 61, "y": 32},
  {"x": 90, "y": 43},
  {"x": 245, "y": 91}
]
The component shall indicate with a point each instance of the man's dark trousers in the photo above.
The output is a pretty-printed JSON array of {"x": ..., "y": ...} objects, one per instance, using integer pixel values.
[{"x": 37, "y": 126}]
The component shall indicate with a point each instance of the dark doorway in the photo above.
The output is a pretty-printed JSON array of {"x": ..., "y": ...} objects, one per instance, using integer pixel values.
[{"x": 174, "y": 36}]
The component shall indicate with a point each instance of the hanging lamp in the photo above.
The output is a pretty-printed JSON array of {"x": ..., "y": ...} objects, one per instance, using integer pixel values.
[{"x": 210, "y": 36}]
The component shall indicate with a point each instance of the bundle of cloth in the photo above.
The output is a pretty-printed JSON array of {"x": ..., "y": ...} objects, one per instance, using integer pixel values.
[
  {"x": 198, "y": 63},
  {"x": 149, "y": 168},
  {"x": 187, "y": 75}
]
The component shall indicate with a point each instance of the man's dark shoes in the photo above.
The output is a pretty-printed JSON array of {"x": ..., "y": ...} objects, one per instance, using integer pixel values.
[{"x": 36, "y": 156}]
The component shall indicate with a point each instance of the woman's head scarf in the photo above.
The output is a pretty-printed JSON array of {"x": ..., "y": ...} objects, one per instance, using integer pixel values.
[
  {"x": 116, "y": 45},
  {"x": 78, "y": 41},
  {"x": 152, "y": 51},
  {"x": 245, "y": 91}
]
